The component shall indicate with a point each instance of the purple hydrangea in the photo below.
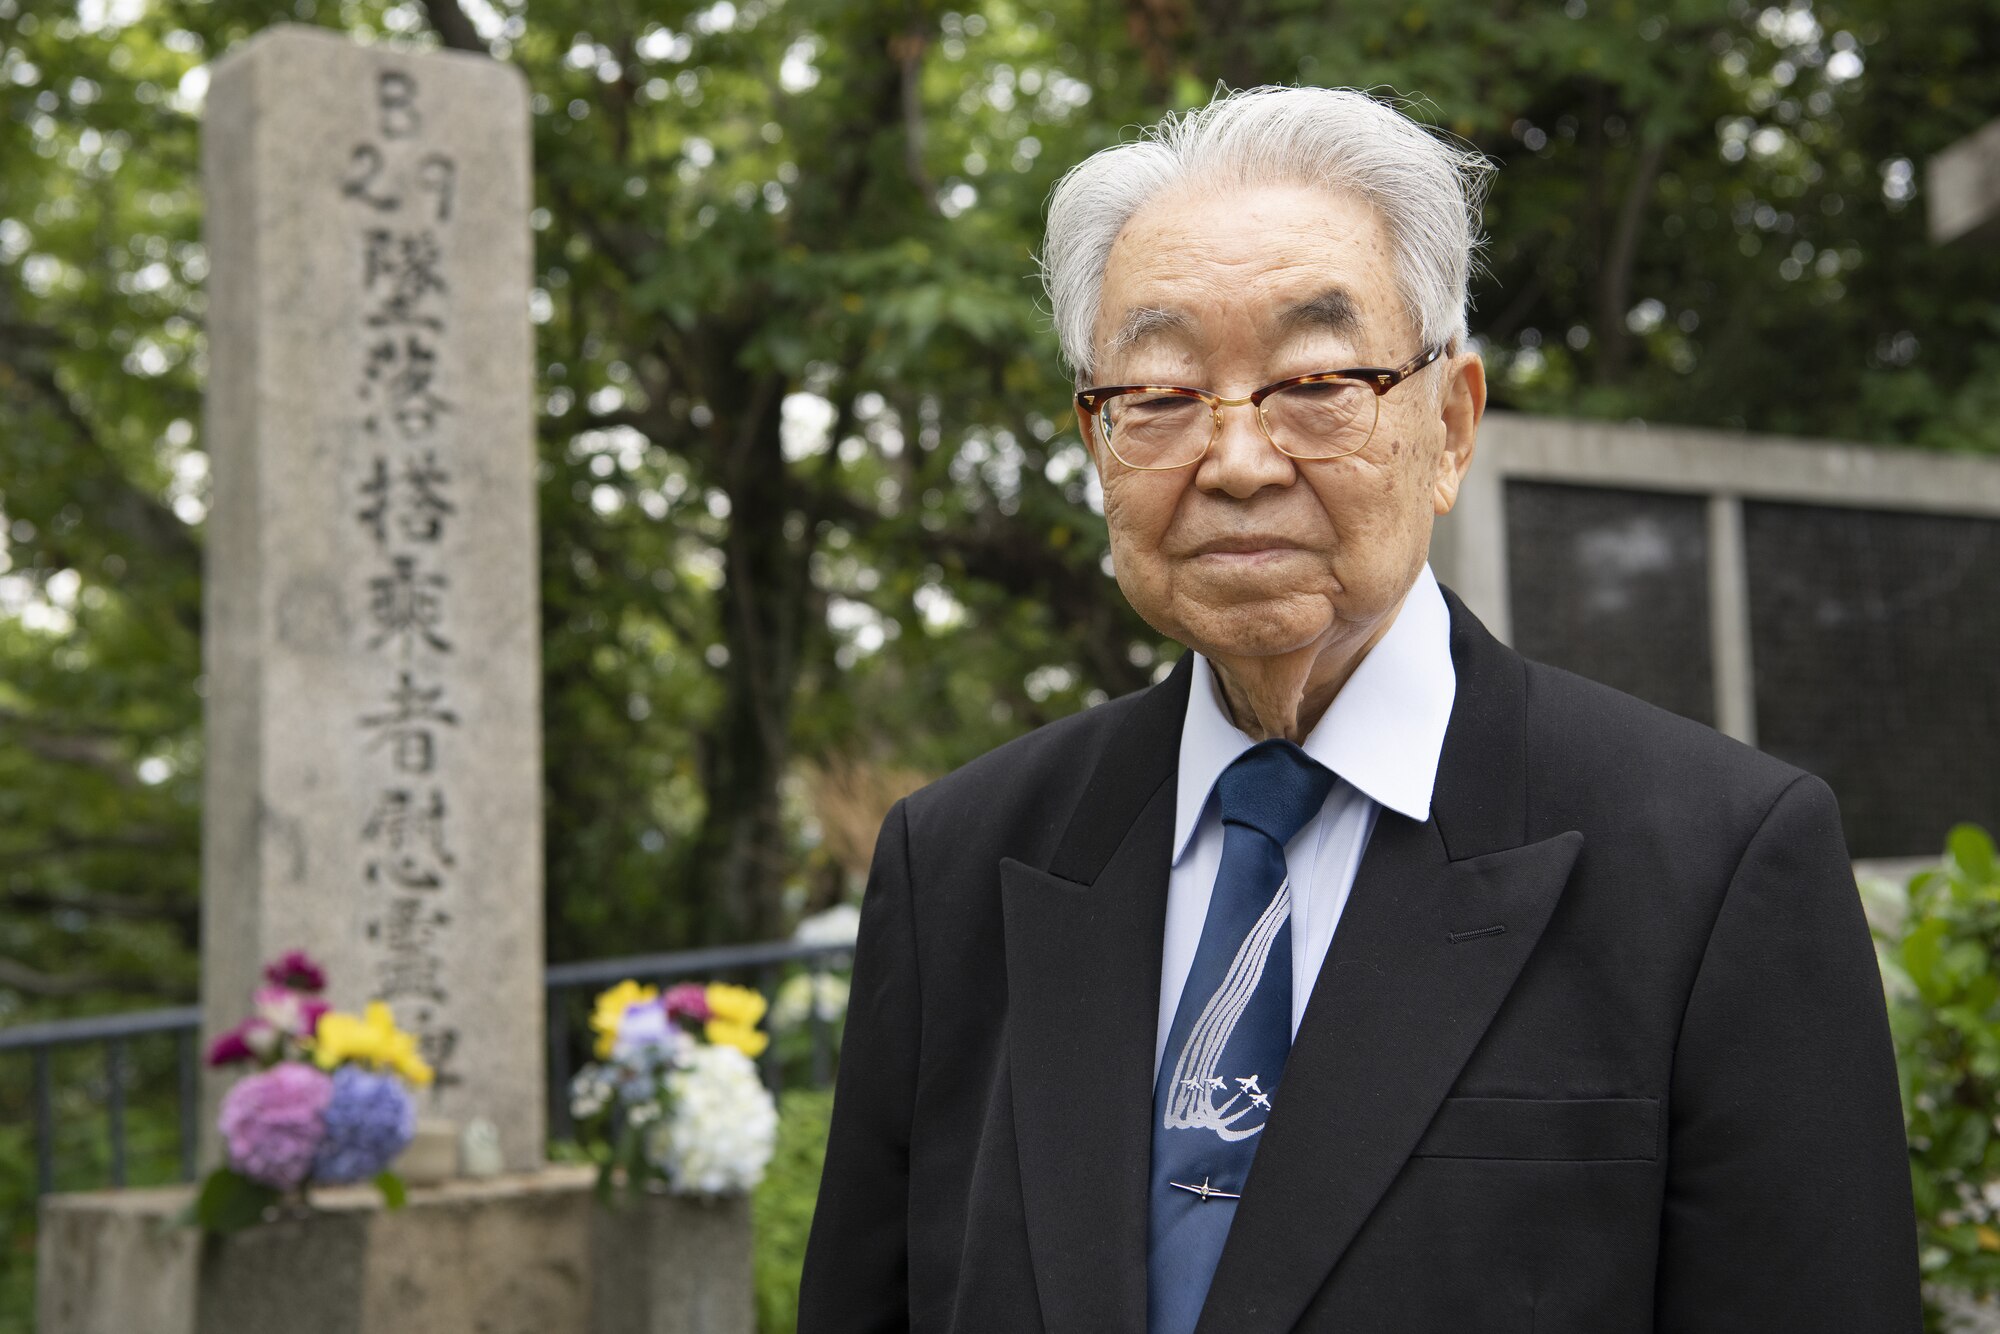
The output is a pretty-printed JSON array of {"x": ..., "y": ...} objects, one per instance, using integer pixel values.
[
  {"x": 273, "y": 1123},
  {"x": 647, "y": 1029},
  {"x": 370, "y": 1119}
]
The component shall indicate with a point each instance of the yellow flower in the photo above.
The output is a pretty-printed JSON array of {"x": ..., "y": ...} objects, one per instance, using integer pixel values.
[
  {"x": 374, "y": 1040},
  {"x": 610, "y": 1012},
  {"x": 735, "y": 1005},
  {"x": 414, "y": 1069},
  {"x": 733, "y": 1015},
  {"x": 1989, "y": 1240},
  {"x": 744, "y": 1038}
]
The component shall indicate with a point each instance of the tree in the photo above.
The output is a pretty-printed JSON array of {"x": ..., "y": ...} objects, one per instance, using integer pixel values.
[
  {"x": 99, "y": 271},
  {"x": 811, "y": 491}
]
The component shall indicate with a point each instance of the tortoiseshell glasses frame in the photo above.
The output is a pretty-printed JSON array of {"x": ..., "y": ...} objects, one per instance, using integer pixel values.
[{"x": 1350, "y": 433}]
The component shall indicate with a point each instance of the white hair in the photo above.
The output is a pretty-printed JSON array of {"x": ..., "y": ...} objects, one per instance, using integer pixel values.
[{"x": 1426, "y": 189}]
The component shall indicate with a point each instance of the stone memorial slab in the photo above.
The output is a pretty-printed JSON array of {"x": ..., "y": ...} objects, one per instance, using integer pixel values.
[
  {"x": 1963, "y": 184},
  {"x": 371, "y": 644}
]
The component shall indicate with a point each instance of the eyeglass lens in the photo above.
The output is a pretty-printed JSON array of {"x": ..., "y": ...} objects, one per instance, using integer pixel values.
[{"x": 1322, "y": 419}]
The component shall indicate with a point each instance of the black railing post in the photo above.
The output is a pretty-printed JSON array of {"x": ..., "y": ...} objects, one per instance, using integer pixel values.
[
  {"x": 559, "y": 1071},
  {"x": 190, "y": 1099},
  {"x": 774, "y": 1078},
  {"x": 45, "y": 1149},
  {"x": 114, "y": 1077},
  {"x": 820, "y": 1038}
]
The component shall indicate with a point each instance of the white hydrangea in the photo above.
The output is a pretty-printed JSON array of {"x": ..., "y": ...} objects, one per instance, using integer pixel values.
[
  {"x": 804, "y": 993},
  {"x": 718, "y": 1138},
  {"x": 589, "y": 1091}
]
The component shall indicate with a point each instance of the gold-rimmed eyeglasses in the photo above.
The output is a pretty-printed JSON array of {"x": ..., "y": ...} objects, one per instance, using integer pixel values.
[{"x": 1324, "y": 415}]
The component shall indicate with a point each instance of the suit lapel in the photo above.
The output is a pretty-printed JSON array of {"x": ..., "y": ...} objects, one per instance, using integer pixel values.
[
  {"x": 1411, "y": 982},
  {"x": 1083, "y": 942}
]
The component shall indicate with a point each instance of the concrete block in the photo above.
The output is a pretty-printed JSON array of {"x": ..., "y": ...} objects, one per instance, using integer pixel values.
[
  {"x": 670, "y": 1264},
  {"x": 525, "y": 1254}
]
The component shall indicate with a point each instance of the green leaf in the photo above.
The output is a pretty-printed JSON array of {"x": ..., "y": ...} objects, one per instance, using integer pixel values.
[
  {"x": 1972, "y": 849},
  {"x": 394, "y": 1194},
  {"x": 1965, "y": 960},
  {"x": 1968, "y": 1139},
  {"x": 1963, "y": 1238},
  {"x": 1922, "y": 948},
  {"x": 230, "y": 1202}
]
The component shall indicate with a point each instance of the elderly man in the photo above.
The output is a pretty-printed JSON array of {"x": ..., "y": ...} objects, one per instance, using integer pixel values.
[{"x": 1359, "y": 976}]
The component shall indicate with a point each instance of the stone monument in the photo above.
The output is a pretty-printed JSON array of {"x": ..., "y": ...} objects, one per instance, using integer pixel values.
[
  {"x": 374, "y": 772},
  {"x": 371, "y": 636}
]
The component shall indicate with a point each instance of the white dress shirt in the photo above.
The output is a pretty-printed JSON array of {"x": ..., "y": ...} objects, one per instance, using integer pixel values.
[{"x": 1380, "y": 736}]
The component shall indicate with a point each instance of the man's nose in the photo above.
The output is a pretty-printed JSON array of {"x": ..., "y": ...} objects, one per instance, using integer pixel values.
[{"x": 1241, "y": 460}]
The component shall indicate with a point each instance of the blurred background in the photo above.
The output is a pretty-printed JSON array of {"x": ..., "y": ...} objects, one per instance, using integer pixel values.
[{"x": 816, "y": 525}]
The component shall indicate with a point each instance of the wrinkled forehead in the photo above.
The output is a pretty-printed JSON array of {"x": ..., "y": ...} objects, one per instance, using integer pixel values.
[
  {"x": 1330, "y": 315},
  {"x": 1208, "y": 273}
]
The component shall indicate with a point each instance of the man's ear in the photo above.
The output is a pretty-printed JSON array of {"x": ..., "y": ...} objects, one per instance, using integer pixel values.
[{"x": 1464, "y": 404}]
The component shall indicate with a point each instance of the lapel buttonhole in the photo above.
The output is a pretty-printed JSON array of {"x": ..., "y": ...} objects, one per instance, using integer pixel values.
[{"x": 1456, "y": 937}]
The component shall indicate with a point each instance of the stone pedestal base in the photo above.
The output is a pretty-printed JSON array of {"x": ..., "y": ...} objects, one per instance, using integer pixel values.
[
  {"x": 529, "y": 1254},
  {"x": 667, "y": 1264}
]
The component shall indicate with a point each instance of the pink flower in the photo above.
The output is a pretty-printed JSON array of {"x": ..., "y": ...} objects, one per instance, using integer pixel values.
[
  {"x": 273, "y": 1123},
  {"x": 313, "y": 1009},
  {"x": 293, "y": 1013},
  {"x": 252, "y": 1040},
  {"x": 295, "y": 969},
  {"x": 687, "y": 1001},
  {"x": 231, "y": 1048}
]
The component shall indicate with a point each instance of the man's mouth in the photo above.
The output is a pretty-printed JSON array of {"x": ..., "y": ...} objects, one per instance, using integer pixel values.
[{"x": 1245, "y": 546}]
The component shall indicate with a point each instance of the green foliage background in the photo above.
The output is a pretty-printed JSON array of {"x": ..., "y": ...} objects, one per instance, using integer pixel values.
[
  {"x": 782, "y": 1208},
  {"x": 809, "y": 488},
  {"x": 809, "y": 492},
  {"x": 1944, "y": 1009}
]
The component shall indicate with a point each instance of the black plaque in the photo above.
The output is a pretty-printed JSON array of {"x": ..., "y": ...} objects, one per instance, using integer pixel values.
[
  {"x": 1613, "y": 585},
  {"x": 1876, "y": 649}
]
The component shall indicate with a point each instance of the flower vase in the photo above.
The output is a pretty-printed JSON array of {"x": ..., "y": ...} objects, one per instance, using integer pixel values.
[{"x": 663, "y": 1263}]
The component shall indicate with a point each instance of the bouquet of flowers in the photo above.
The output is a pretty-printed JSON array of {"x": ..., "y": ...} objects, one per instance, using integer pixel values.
[
  {"x": 674, "y": 1096},
  {"x": 330, "y": 1101}
]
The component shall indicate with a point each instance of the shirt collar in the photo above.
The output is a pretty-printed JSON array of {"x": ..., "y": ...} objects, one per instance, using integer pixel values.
[{"x": 1382, "y": 733}]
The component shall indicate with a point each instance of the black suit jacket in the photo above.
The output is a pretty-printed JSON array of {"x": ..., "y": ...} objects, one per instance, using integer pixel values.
[{"x": 1599, "y": 1048}]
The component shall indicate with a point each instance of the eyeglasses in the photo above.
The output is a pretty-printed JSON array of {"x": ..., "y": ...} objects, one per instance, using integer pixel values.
[{"x": 1325, "y": 415}]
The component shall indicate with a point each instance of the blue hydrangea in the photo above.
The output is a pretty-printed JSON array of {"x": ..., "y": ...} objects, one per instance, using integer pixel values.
[{"x": 370, "y": 1119}]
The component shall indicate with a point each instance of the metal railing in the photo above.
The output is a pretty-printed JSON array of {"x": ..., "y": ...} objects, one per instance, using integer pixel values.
[
  {"x": 566, "y": 989},
  {"x": 115, "y": 1033}
]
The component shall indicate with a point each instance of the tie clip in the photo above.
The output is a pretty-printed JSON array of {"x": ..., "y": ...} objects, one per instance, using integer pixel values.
[{"x": 1206, "y": 1191}]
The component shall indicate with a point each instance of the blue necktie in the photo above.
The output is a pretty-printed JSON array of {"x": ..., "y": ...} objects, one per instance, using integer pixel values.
[{"x": 1231, "y": 1033}]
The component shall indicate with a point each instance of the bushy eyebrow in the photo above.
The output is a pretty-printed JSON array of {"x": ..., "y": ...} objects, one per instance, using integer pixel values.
[
  {"x": 1332, "y": 311},
  {"x": 1143, "y": 322}
]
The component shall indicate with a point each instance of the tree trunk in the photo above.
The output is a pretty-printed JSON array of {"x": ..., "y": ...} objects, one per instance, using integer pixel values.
[
  {"x": 741, "y": 854},
  {"x": 1614, "y": 286}
]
